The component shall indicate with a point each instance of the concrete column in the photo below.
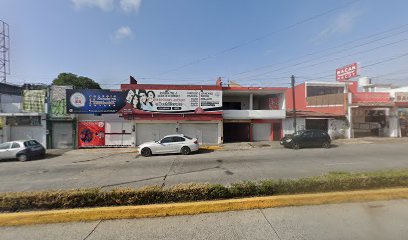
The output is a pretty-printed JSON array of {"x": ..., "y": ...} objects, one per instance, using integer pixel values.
[{"x": 251, "y": 101}]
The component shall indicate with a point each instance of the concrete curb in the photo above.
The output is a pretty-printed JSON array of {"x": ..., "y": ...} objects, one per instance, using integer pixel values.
[
  {"x": 191, "y": 208},
  {"x": 211, "y": 148}
]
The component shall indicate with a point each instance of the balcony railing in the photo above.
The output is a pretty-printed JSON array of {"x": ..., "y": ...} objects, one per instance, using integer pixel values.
[
  {"x": 254, "y": 114},
  {"x": 326, "y": 100}
]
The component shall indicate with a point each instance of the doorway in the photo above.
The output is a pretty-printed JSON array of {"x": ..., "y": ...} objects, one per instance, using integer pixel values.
[
  {"x": 276, "y": 131},
  {"x": 236, "y": 132}
]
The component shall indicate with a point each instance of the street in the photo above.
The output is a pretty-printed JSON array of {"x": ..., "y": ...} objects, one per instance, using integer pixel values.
[
  {"x": 110, "y": 169},
  {"x": 369, "y": 220}
]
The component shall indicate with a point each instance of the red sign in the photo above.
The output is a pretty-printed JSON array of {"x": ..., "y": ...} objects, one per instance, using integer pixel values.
[
  {"x": 346, "y": 72},
  {"x": 91, "y": 134}
]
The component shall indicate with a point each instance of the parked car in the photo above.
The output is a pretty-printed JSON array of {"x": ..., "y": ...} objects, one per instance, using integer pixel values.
[
  {"x": 307, "y": 138},
  {"x": 177, "y": 143},
  {"x": 22, "y": 150}
]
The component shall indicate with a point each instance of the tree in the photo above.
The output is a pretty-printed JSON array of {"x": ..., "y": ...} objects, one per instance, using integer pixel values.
[{"x": 78, "y": 82}]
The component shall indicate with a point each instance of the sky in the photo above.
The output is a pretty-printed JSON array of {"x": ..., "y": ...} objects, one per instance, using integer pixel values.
[{"x": 254, "y": 43}]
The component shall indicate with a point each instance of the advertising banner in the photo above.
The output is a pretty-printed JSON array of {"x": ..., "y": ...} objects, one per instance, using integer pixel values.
[
  {"x": 94, "y": 101},
  {"x": 173, "y": 101},
  {"x": 58, "y": 102},
  {"x": 401, "y": 97},
  {"x": 91, "y": 134},
  {"x": 34, "y": 101},
  {"x": 346, "y": 72},
  {"x": 142, "y": 101}
]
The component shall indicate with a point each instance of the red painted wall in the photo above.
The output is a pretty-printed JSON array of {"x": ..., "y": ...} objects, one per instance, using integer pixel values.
[{"x": 301, "y": 105}]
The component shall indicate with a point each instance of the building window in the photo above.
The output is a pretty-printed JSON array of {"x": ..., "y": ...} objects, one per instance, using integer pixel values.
[
  {"x": 323, "y": 90},
  {"x": 231, "y": 106}
]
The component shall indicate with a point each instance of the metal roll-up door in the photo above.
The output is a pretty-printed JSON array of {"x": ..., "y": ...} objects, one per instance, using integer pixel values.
[
  {"x": 146, "y": 132},
  {"x": 62, "y": 135},
  {"x": 28, "y": 132},
  {"x": 261, "y": 131},
  {"x": 206, "y": 133}
]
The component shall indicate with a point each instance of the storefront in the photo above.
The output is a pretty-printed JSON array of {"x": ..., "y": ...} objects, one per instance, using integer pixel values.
[
  {"x": 401, "y": 103},
  {"x": 371, "y": 121},
  {"x": 142, "y": 113}
]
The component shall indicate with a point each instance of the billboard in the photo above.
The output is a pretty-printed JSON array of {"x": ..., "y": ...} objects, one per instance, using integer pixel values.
[
  {"x": 143, "y": 101},
  {"x": 173, "y": 101},
  {"x": 94, "y": 101},
  {"x": 346, "y": 72},
  {"x": 58, "y": 102}
]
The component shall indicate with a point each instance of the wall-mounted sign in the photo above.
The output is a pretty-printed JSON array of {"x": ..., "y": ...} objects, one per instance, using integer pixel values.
[
  {"x": 173, "y": 101},
  {"x": 346, "y": 72},
  {"x": 142, "y": 101},
  {"x": 401, "y": 97},
  {"x": 94, "y": 101}
]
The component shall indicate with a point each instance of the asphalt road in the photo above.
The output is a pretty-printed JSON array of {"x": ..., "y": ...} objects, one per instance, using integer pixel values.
[
  {"x": 101, "y": 168},
  {"x": 370, "y": 220}
]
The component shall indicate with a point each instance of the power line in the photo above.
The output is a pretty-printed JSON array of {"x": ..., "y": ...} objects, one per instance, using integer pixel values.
[
  {"x": 259, "y": 38},
  {"x": 334, "y": 53},
  {"x": 330, "y": 48}
]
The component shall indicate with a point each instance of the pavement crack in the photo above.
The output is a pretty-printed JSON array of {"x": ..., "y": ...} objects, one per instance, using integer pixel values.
[
  {"x": 93, "y": 230},
  {"x": 270, "y": 224},
  {"x": 168, "y": 172}
]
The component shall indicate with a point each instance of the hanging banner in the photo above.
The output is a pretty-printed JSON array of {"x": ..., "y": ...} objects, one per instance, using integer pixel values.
[
  {"x": 91, "y": 134},
  {"x": 58, "y": 102},
  {"x": 34, "y": 101},
  {"x": 143, "y": 101}
]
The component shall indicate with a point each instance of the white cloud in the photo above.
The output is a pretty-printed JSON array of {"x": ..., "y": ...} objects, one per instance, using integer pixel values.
[
  {"x": 343, "y": 23},
  {"x": 130, "y": 5},
  {"x": 123, "y": 33},
  {"x": 127, "y": 6},
  {"x": 105, "y": 5}
]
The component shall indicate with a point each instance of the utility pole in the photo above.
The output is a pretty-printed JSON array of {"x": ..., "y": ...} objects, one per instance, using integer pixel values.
[{"x": 294, "y": 102}]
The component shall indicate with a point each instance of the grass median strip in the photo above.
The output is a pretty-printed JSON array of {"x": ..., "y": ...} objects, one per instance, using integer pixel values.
[
  {"x": 190, "y": 208},
  {"x": 86, "y": 198}
]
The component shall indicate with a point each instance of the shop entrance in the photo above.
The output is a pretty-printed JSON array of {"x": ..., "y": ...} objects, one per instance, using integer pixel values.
[
  {"x": 236, "y": 132},
  {"x": 369, "y": 122},
  {"x": 276, "y": 131}
]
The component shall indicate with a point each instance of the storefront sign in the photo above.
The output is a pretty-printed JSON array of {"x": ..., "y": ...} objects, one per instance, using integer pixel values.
[
  {"x": 401, "y": 96},
  {"x": 173, "y": 101},
  {"x": 346, "y": 72},
  {"x": 95, "y": 101},
  {"x": 58, "y": 102}
]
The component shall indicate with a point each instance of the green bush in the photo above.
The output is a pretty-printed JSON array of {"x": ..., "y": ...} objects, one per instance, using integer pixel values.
[{"x": 334, "y": 181}]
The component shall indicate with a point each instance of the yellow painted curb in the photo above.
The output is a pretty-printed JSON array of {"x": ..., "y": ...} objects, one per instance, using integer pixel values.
[
  {"x": 211, "y": 148},
  {"x": 190, "y": 208}
]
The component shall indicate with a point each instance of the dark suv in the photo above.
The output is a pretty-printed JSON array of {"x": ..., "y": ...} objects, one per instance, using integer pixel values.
[{"x": 307, "y": 138}]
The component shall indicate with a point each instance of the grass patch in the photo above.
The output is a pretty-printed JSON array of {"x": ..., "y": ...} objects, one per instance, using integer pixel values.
[{"x": 81, "y": 198}]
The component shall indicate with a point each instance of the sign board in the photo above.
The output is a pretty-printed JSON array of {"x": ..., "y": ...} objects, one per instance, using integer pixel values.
[
  {"x": 91, "y": 134},
  {"x": 173, "y": 101},
  {"x": 58, "y": 102},
  {"x": 94, "y": 101},
  {"x": 142, "y": 101},
  {"x": 401, "y": 97},
  {"x": 346, "y": 72}
]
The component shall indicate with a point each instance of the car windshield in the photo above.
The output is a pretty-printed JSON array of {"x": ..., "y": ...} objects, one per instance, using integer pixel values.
[
  {"x": 5, "y": 146},
  {"x": 31, "y": 143}
]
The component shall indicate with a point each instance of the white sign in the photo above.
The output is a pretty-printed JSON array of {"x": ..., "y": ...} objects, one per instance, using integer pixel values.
[{"x": 175, "y": 101}]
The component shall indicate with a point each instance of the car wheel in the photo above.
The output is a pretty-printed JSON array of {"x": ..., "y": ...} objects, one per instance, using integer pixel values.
[
  {"x": 22, "y": 158},
  {"x": 185, "y": 150},
  {"x": 295, "y": 146},
  {"x": 326, "y": 145},
  {"x": 146, "y": 152}
]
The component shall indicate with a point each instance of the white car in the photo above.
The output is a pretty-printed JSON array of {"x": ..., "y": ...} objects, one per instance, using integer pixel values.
[
  {"x": 177, "y": 143},
  {"x": 22, "y": 150}
]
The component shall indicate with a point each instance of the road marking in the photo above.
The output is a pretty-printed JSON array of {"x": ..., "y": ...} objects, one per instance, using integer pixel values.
[{"x": 346, "y": 163}]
